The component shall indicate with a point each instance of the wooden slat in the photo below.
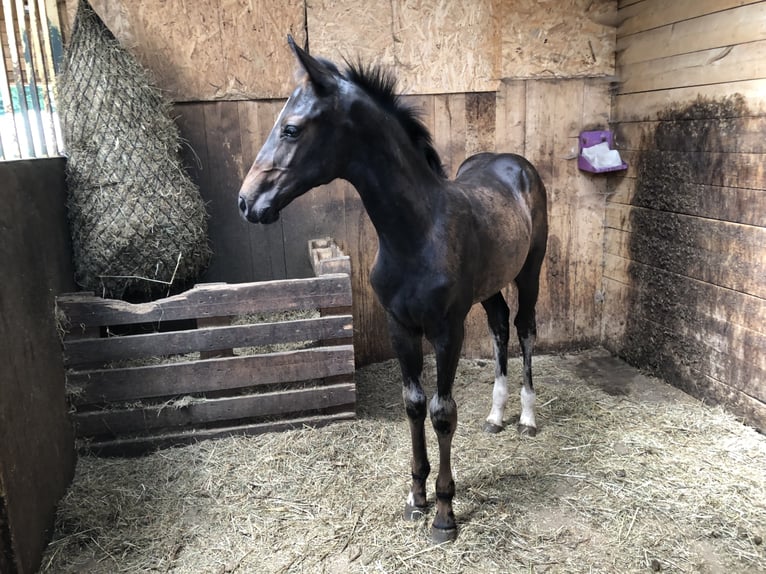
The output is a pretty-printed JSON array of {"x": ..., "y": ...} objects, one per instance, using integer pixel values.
[
  {"x": 727, "y": 255},
  {"x": 732, "y": 63},
  {"x": 650, "y": 14},
  {"x": 723, "y": 309},
  {"x": 204, "y": 411},
  {"x": 719, "y": 134},
  {"x": 717, "y": 30},
  {"x": 687, "y": 351},
  {"x": 648, "y": 105},
  {"x": 111, "y": 385},
  {"x": 213, "y": 300},
  {"x": 80, "y": 351},
  {"x": 133, "y": 446},
  {"x": 510, "y": 116},
  {"x": 743, "y": 170},
  {"x": 732, "y": 204}
]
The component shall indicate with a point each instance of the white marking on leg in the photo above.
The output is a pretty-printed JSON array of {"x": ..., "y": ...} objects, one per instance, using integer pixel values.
[
  {"x": 411, "y": 499},
  {"x": 439, "y": 404},
  {"x": 499, "y": 400},
  {"x": 413, "y": 394},
  {"x": 527, "y": 417}
]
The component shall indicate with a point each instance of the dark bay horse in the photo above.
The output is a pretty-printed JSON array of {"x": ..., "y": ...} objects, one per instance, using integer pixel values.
[{"x": 443, "y": 245}]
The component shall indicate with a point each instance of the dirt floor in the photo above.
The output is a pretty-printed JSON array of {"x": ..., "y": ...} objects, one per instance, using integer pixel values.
[{"x": 626, "y": 475}]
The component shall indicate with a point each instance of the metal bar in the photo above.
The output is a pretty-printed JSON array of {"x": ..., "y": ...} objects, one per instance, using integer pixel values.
[
  {"x": 54, "y": 47},
  {"x": 5, "y": 92},
  {"x": 19, "y": 81},
  {"x": 51, "y": 37},
  {"x": 29, "y": 68}
]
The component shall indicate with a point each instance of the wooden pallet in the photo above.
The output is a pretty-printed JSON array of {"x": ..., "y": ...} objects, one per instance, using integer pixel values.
[{"x": 215, "y": 378}]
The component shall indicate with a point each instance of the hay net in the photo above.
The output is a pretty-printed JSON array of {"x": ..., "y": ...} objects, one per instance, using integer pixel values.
[{"x": 138, "y": 223}]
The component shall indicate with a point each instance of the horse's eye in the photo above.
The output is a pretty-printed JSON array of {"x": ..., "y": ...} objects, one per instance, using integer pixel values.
[{"x": 290, "y": 131}]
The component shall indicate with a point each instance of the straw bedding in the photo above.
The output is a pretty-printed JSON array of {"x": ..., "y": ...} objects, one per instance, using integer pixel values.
[{"x": 626, "y": 475}]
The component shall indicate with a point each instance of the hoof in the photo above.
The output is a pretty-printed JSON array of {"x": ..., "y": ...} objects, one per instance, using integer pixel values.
[
  {"x": 414, "y": 512},
  {"x": 442, "y": 535},
  {"x": 525, "y": 430},
  {"x": 491, "y": 428}
]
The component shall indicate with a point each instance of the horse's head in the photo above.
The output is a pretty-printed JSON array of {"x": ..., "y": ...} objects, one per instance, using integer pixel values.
[{"x": 304, "y": 148}]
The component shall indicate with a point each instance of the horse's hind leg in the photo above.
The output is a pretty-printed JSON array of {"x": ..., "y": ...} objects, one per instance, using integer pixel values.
[
  {"x": 498, "y": 315},
  {"x": 528, "y": 284},
  {"x": 409, "y": 350}
]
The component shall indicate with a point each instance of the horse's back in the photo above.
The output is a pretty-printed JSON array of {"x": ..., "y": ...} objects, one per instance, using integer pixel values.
[
  {"x": 513, "y": 175},
  {"x": 512, "y": 170}
]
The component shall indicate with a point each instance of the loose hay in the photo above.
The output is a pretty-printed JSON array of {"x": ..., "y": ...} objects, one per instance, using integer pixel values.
[
  {"x": 630, "y": 481},
  {"x": 138, "y": 223}
]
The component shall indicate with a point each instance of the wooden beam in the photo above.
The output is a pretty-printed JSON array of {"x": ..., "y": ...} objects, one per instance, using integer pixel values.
[
  {"x": 203, "y": 411},
  {"x": 135, "y": 383},
  {"x": 716, "y": 30},
  {"x": 212, "y": 300},
  {"x": 648, "y": 14},
  {"x": 132, "y": 446},
  {"x": 731, "y": 63},
  {"x": 79, "y": 351},
  {"x": 647, "y": 106}
]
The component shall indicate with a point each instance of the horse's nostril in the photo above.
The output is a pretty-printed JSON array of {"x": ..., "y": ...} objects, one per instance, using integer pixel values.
[{"x": 243, "y": 205}]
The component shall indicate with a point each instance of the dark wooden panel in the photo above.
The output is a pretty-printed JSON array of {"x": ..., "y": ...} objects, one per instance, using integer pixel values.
[
  {"x": 202, "y": 411},
  {"x": 660, "y": 316},
  {"x": 80, "y": 351},
  {"x": 735, "y": 204},
  {"x": 267, "y": 248},
  {"x": 724, "y": 254},
  {"x": 682, "y": 357},
  {"x": 36, "y": 445},
  {"x": 111, "y": 385},
  {"x": 718, "y": 134},
  {"x": 726, "y": 306},
  {"x": 211, "y": 300},
  {"x": 227, "y": 230}
]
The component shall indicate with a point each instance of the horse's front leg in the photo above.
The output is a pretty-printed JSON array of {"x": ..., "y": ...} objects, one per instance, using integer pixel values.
[
  {"x": 409, "y": 350},
  {"x": 443, "y": 411}
]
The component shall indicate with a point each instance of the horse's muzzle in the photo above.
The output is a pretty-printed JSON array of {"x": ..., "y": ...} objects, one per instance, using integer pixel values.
[{"x": 255, "y": 214}]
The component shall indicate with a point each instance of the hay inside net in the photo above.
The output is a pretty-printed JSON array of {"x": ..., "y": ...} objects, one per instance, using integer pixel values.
[
  {"x": 138, "y": 223},
  {"x": 636, "y": 479}
]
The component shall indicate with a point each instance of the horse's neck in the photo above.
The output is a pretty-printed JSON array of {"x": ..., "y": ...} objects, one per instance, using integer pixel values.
[{"x": 399, "y": 193}]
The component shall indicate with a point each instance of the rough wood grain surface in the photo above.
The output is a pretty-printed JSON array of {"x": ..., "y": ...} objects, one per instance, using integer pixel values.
[{"x": 685, "y": 239}]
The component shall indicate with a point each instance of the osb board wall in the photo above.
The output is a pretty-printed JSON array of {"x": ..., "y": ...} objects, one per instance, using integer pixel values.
[
  {"x": 211, "y": 49},
  {"x": 236, "y": 49},
  {"x": 439, "y": 46},
  {"x": 685, "y": 276},
  {"x": 537, "y": 118},
  {"x": 37, "y": 447}
]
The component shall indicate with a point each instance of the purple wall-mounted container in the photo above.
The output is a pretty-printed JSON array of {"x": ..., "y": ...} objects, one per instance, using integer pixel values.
[{"x": 589, "y": 139}]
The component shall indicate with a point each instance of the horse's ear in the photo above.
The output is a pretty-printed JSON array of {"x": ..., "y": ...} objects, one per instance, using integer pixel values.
[{"x": 322, "y": 78}]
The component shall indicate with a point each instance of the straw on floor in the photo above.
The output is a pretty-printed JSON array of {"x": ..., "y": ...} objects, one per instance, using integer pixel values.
[{"x": 626, "y": 475}]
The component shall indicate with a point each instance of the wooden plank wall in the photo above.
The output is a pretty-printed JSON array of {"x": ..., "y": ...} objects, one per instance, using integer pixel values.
[
  {"x": 685, "y": 238},
  {"x": 540, "y": 119},
  {"x": 495, "y": 76},
  {"x": 36, "y": 446}
]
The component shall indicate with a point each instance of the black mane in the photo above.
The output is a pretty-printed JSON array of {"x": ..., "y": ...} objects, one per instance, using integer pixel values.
[{"x": 380, "y": 85}]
